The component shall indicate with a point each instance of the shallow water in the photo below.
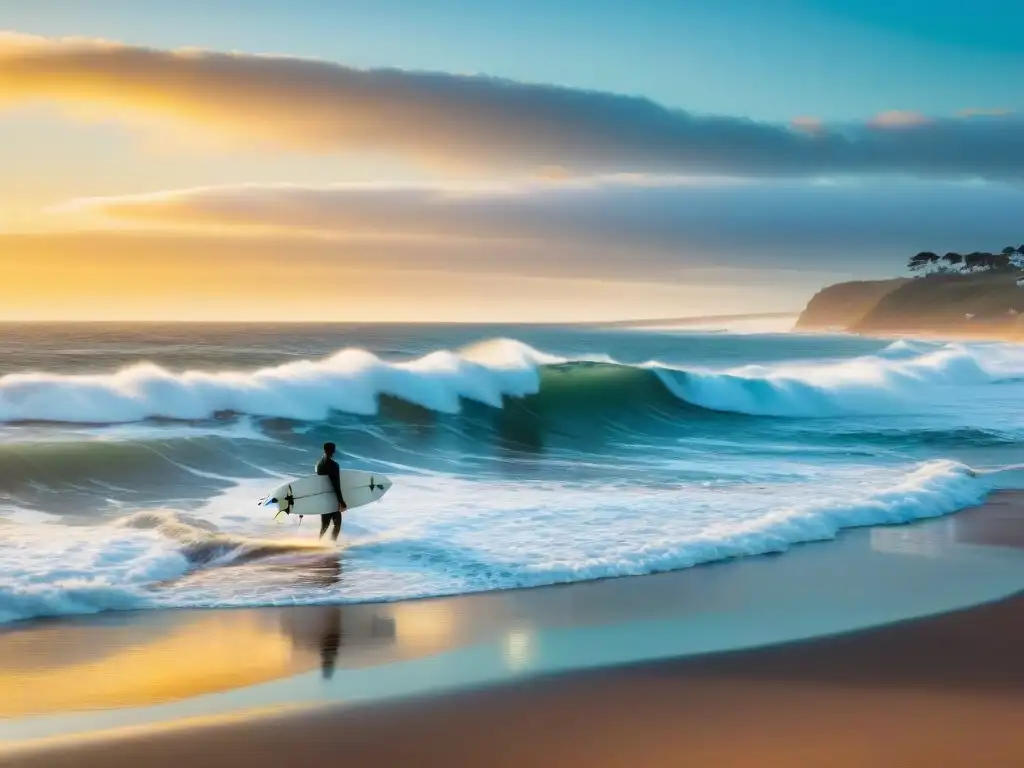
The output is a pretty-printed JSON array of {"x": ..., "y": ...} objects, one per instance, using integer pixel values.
[{"x": 132, "y": 458}]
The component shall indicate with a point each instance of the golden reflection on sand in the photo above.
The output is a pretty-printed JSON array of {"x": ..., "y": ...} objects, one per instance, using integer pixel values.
[
  {"x": 108, "y": 663},
  {"x": 162, "y": 656},
  {"x": 202, "y": 654},
  {"x": 424, "y": 627}
]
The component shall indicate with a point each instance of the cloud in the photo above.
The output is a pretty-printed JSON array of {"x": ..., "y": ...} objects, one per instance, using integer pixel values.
[
  {"x": 127, "y": 276},
  {"x": 807, "y": 124},
  {"x": 489, "y": 123},
  {"x": 900, "y": 119},
  {"x": 985, "y": 112},
  {"x": 616, "y": 224}
]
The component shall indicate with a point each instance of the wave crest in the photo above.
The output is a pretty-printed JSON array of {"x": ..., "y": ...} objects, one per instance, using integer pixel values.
[
  {"x": 351, "y": 381},
  {"x": 897, "y": 379},
  {"x": 354, "y": 381}
]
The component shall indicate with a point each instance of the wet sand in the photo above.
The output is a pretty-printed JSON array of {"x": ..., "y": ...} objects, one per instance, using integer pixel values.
[{"x": 942, "y": 690}]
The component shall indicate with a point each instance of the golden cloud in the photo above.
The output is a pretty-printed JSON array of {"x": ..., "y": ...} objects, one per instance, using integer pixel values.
[{"x": 320, "y": 106}]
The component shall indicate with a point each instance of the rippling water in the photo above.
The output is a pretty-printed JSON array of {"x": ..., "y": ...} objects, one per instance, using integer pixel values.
[{"x": 132, "y": 458}]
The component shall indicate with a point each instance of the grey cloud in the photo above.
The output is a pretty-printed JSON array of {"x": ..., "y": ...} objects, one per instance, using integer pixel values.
[
  {"x": 487, "y": 122},
  {"x": 641, "y": 222}
]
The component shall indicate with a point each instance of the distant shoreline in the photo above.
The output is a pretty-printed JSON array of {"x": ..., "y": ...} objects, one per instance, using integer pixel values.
[
  {"x": 695, "y": 320},
  {"x": 691, "y": 319}
]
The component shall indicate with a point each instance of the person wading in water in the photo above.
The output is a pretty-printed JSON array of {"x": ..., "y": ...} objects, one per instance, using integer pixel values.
[{"x": 329, "y": 467}]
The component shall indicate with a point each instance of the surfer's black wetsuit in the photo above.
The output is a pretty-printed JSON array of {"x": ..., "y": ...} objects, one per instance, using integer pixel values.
[{"x": 328, "y": 466}]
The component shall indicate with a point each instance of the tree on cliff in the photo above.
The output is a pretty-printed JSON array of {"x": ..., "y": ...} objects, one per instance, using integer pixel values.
[
  {"x": 1009, "y": 259},
  {"x": 922, "y": 261},
  {"x": 977, "y": 261},
  {"x": 1000, "y": 262}
]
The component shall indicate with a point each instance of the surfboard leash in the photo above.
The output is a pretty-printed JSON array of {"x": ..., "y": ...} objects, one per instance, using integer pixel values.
[
  {"x": 290, "y": 498},
  {"x": 289, "y": 502}
]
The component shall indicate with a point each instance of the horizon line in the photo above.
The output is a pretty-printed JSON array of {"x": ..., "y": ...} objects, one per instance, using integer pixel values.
[{"x": 689, "y": 319}]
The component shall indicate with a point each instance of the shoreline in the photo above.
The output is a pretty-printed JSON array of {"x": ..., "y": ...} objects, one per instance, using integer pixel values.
[
  {"x": 873, "y": 697},
  {"x": 994, "y": 498},
  {"x": 917, "y": 334},
  {"x": 181, "y": 671}
]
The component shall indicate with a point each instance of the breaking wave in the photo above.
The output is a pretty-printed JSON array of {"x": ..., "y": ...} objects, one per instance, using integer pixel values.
[
  {"x": 355, "y": 381},
  {"x": 59, "y": 570},
  {"x": 134, "y": 562},
  {"x": 620, "y": 469}
]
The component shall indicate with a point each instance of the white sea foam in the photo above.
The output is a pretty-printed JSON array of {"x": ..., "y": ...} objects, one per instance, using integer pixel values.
[
  {"x": 434, "y": 536},
  {"x": 350, "y": 381},
  {"x": 54, "y": 570},
  {"x": 437, "y": 534},
  {"x": 526, "y": 538},
  {"x": 900, "y": 377}
]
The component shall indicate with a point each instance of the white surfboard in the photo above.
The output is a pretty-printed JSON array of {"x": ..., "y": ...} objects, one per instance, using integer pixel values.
[{"x": 313, "y": 494}]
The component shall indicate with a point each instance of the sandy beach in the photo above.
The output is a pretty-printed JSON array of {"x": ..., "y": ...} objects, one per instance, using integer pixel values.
[{"x": 937, "y": 690}]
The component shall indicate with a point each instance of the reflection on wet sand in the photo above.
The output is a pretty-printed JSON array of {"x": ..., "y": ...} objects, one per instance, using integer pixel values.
[
  {"x": 996, "y": 523},
  {"x": 123, "y": 660},
  {"x": 133, "y": 659},
  {"x": 330, "y": 643},
  {"x": 328, "y": 631},
  {"x": 930, "y": 541},
  {"x": 112, "y": 666},
  {"x": 114, "y": 663}
]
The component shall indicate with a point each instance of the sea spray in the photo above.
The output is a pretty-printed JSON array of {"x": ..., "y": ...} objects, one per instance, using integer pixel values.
[
  {"x": 353, "y": 381},
  {"x": 438, "y": 548}
]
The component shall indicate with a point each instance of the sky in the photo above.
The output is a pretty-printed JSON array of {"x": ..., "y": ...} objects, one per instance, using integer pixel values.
[{"x": 449, "y": 160}]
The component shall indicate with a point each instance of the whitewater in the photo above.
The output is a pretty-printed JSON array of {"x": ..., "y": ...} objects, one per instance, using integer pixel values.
[{"x": 131, "y": 459}]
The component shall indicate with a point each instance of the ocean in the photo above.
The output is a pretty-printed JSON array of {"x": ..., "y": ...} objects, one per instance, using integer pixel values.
[{"x": 133, "y": 457}]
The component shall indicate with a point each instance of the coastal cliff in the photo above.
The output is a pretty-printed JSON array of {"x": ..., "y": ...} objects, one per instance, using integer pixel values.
[
  {"x": 842, "y": 306},
  {"x": 971, "y": 305},
  {"x": 974, "y": 305}
]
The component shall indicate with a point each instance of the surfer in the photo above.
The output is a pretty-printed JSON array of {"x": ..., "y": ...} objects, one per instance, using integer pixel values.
[{"x": 328, "y": 466}]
